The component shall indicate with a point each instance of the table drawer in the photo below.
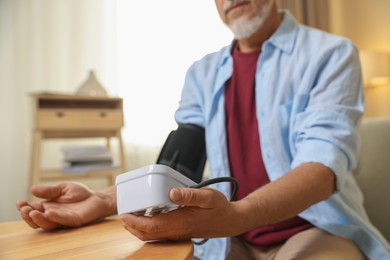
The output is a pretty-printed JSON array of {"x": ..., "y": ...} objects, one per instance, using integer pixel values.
[{"x": 64, "y": 119}]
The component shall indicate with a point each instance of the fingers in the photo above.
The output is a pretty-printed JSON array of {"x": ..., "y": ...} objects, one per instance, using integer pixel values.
[
  {"x": 25, "y": 210},
  {"x": 20, "y": 204},
  {"x": 128, "y": 222},
  {"x": 46, "y": 192},
  {"x": 139, "y": 223},
  {"x": 203, "y": 198},
  {"x": 32, "y": 214},
  {"x": 145, "y": 228},
  {"x": 41, "y": 220}
]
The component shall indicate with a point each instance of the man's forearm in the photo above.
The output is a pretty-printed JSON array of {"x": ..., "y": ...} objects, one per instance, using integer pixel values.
[{"x": 286, "y": 197}]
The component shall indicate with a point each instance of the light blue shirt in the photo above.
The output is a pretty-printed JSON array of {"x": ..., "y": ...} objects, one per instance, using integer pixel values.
[{"x": 309, "y": 102}]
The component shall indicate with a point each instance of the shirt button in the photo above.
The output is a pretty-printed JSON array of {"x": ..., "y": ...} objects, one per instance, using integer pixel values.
[{"x": 200, "y": 251}]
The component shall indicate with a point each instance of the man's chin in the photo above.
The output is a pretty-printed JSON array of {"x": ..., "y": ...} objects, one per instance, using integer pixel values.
[{"x": 243, "y": 29}]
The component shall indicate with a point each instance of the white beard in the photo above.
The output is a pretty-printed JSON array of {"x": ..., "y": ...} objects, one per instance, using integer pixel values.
[{"x": 243, "y": 29}]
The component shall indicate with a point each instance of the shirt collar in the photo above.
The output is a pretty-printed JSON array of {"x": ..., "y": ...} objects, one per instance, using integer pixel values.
[{"x": 285, "y": 35}]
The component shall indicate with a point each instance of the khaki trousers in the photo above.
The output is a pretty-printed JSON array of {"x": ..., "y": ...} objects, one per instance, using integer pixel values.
[{"x": 313, "y": 244}]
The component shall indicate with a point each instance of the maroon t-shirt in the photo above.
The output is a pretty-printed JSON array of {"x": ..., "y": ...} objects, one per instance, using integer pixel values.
[{"x": 245, "y": 159}]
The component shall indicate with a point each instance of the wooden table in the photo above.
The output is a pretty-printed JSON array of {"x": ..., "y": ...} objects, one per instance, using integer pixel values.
[{"x": 104, "y": 240}]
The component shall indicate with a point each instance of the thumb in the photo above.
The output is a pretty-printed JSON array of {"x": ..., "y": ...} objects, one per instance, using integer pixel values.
[
  {"x": 46, "y": 192},
  {"x": 203, "y": 198}
]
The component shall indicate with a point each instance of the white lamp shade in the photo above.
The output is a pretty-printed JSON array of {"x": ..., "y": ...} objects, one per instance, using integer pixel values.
[{"x": 375, "y": 66}]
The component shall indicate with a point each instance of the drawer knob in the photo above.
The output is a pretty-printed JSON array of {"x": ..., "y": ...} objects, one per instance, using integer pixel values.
[
  {"x": 103, "y": 114},
  {"x": 60, "y": 114}
]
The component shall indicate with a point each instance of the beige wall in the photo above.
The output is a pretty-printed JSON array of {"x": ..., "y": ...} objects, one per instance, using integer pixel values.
[{"x": 366, "y": 23}]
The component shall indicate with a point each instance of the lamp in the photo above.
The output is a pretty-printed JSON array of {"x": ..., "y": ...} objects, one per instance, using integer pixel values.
[
  {"x": 375, "y": 67},
  {"x": 91, "y": 87},
  {"x": 376, "y": 75}
]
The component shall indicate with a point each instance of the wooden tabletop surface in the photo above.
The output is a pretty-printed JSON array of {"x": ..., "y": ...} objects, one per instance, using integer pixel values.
[{"x": 104, "y": 240}]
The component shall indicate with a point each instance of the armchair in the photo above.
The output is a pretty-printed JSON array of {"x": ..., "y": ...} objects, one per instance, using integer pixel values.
[{"x": 373, "y": 172}]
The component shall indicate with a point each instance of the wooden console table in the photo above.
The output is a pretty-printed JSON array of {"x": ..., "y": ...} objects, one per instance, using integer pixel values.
[
  {"x": 58, "y": 116},
  {"x": 104, "y": 240}
]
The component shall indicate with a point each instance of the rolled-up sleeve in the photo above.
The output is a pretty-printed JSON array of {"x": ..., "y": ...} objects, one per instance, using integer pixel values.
[{"x": 325, "y": 131}]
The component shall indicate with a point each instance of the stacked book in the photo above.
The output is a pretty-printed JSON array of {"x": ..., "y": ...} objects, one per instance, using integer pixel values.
[{"x": 83, "y": 159}]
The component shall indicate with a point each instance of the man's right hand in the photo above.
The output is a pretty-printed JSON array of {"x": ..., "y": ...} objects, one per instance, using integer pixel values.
[{"x": 67, "y": 204}]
